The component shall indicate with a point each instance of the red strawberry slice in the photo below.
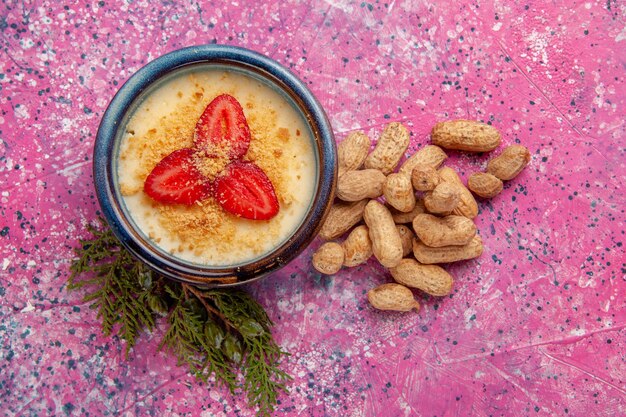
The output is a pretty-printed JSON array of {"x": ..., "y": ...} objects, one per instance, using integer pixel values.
[
  {"x": 222, "y": 129},
  {"x": 175, "y": 179},
  {"x": 244, "y": 190}
]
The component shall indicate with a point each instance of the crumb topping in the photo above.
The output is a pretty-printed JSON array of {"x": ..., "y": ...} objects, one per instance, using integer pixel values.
[{"x": 205, "y": 229}]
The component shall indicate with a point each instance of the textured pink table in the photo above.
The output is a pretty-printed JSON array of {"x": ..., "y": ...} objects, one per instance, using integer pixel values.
[{"x": 536, "y": 326}]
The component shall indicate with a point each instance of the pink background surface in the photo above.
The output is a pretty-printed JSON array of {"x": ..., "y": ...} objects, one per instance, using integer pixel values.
[{"x": 536, "y": 326}]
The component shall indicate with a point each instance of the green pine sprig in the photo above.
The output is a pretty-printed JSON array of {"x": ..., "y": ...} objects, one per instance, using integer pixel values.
[
  {"x": 117, "y": 281},
  {"x": 263, "y": 378},
  {"x": 188, "y": 340},
  {"x": 221, "y": 333}
]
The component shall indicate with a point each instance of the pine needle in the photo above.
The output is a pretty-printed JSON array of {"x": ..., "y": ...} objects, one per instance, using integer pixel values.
[
  {"x": 219, "y": 333},
  {"x": 117, "y": 292}
]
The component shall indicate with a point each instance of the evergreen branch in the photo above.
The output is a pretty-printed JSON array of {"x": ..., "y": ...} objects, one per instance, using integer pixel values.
[
  {"x": 263, "y": 378},
  {"x": 212, "y": 332},
  {"x": 113, "y": 273},
  {"x": 187, "y": 340},
  {"x": 207, "y": 306}
]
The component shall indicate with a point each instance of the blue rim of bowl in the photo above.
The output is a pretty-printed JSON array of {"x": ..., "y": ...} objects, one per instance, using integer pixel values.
[{"x": 104, "y": 176}]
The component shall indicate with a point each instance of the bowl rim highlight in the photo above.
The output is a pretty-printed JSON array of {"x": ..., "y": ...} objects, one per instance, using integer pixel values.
[{"x": 104, "y": 164}]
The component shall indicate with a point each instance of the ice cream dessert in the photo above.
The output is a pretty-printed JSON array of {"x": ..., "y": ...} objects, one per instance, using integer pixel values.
[{"x": 216, "y": 168}]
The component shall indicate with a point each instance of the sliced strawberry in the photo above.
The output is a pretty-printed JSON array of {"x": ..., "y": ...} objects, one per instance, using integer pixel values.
[
  {"x": 177, "y": 180},
  {"x": 244, "y": 190},
  {"x": 222, "y": 129}
]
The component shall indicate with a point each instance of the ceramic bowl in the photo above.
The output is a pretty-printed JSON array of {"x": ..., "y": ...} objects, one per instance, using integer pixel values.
[{"x": 128, "y": 99}]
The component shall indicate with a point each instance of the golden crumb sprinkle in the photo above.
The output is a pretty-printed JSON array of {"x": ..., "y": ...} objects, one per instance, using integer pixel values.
[
  {"x": 127, "y": 189},
  {"x": 205, "y": 230},
  {"x": 283, "y": 134},
  {"x": 211, "y": 164}
]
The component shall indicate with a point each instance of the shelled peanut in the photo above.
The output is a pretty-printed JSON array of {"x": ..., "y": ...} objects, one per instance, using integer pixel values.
[
  {"x": 425, "y": 178},
  {"x": 509, "y": 163},
  {"x": 398, "y": 192},
  {"x": 443, "y": 231},
  {"x": 386, "y": 241},
  {"x": 467, "y": 203},
  {"x": 351, "y": 153},
  {"x": 394, "y": 297},
  {"x": 406, "y": 237},
  {"x": 389, "y": 149},
  {"x": 329, "y": 258},
  {"x": 465, "y": 135},
  {"x": 484, "y": 184},
  {"x": 504, "y": 167},
  {"x": 443, "y": 199},
  {"x": 431, "y": 279},
  {"x": 360, "y": 184},
  {"x": 357, "y": 247},
  {"x": 427, "y": 218},
  {"x": 341, "y": 217}
]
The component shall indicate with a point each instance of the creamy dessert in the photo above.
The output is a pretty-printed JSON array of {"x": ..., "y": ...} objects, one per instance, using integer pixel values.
[{"x": 213, "y": 224}]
